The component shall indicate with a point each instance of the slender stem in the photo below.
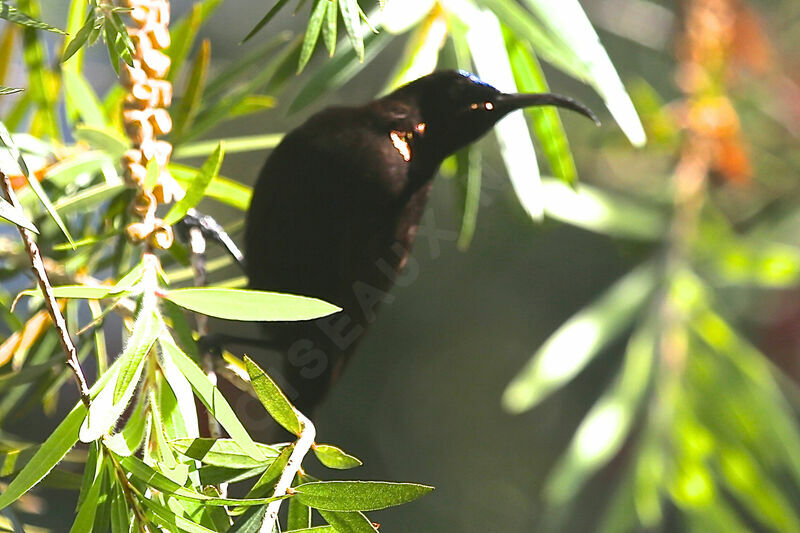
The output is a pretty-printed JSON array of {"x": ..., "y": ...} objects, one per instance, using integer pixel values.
[
  {"x": 49, "y": 298},
  {"x": 293, "y": 466}
]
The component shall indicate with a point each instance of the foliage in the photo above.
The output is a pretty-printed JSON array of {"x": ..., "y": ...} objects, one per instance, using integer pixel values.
[{"x": 732, "y": 461}]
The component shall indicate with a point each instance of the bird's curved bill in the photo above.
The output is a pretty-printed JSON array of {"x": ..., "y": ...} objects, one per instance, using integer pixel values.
[{"x": 506, "y": 103}]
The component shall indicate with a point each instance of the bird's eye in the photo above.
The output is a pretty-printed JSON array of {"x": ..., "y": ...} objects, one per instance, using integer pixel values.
[
  {"x": 474, "y": 106},
  {"x": 488, "y": 106}
]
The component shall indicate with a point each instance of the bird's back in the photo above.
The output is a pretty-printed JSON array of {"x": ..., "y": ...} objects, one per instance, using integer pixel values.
[{"x": 332, "y": 217}]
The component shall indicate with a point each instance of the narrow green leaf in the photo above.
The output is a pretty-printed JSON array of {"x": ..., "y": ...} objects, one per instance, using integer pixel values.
[
  {"x": 88, "y": 507},
  {"x": 60, "y": 441},
  {"x": 222, "y": 452},
  {"x": 605, "y": 427},
  {"x": 352, "y": 25},
  {"x": 488, "y": 50},
  {"x": 249, "y": 143},
  {"x": 169, "y": 520},
  {"x": 72, "y": 291},
  {"x": 81, "y": 38},
  {"x": 160, "y": 482},
  {"x": 334, "y": 457},
  {"x": 10, "y": 90},
  {"x": 88, "y": 198},
  {"x": 579, "y": 339},
  {"x": 184, "y": 31},
  {"x": 263, "y": 22},
  {"x": 15, "y": 216},
  {"x": 568, "y": 21},
  {"x": 358, "y": 495},
  {"x": 299, "y": 514},
  {"x": 352, "y": 522},
  {"x": 338, "y": 71},
  {"x": 330, "y": 25},
  {"x": 249, "y": 305},
  {"x": 198, "y": 186},
  {"x": 192, "y": 94},
  {"x": 546, "y": 120},
  {"x": 12, "y": 14},
  {"x": 145, "y": 332},
  {"x": 312, "y": 32},
  {"x": 212, "y": 398},
  {"x": 83, "y": 98},
  {"x": 273, "y": 399},
  {"x": 108, "y": 140},
  {"x": 221, "y": 189},
  {"x": 151, "y": 178},
  {"x": 318, "y": 529},
  {"x": 36, "y": 187},
  {"x": 470, "y": 170},
  {"x": 602, "y": 212}
]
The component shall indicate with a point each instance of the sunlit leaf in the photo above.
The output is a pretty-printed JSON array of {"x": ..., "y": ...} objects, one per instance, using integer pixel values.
[
  {"x": 198, "y": 186},
  {"x": 273, "y": 399},
  {"x": 249, "y": 305},
  {"x": 334, "y": 457},
  {"x": 567, "y": 351},
  {"x": 358, "y": 495},
  {"x": 12, "y": 14},
  {"x": 222, "y": 452},
  {"x": 211, "y": 398}
]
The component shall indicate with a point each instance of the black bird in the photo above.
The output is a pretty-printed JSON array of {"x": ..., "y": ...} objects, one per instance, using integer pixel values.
[{"x": 336, "y": 207}]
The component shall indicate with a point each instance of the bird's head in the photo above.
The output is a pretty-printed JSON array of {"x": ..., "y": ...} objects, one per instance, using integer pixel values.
[{"x": 447, "y": 110}]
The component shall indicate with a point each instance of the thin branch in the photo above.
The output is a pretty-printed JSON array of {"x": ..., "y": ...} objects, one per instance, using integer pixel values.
[
  {"x": 44, "y": 284},
  {"x": 301, "y": 448}
]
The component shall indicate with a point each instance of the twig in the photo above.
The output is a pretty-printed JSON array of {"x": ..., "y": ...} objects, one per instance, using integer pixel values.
[
  {"x": 55, "y": 312},
  {"x": 301, "y": 448}
]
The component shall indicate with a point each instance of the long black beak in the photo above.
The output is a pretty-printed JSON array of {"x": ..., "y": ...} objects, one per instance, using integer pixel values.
[{"x": 507, "y": 103}]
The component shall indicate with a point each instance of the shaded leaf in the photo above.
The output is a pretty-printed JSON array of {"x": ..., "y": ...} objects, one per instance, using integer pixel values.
[{"x": 198, "y": 186}]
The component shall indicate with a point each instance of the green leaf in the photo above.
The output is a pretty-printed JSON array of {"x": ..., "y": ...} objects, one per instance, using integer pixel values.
[
  {"x": 9, "y": 90},
  {"x": 15, "y": 216},
  {"x": 105, "y": 139},
  {"x": 358, "y": 495},
  {"x": 330, "y": 25},
  {"x": 334, "y": 457},
  {"x": 312, "y": 32},
  {"x": 83, "y": 98},
  {"x": 222, "y": 189},
  {"x": 273, "y": 399},
  {"x": 263, "y": 22},
  {"x": 222, "y": 452},
  {"x": 579, "y": 340},
  {"x": 338, "y": 71},
  {"x": 488, "y": 50},
  {"x": 602, "y": 212},
  {"x": 249, "y": 143},
  {"x": 72, "y": 291},
  {"x": 198, "y": 186},
  {"x": 318, "y": 529},
  {"x": 352, "y": 24},
  {"x": 212, "y": 398},
  {"x": 184, "y": 31},
  {"x": 352, "y": 522},
  {"x": 60, "y": 441},
  {"x": 605, "y": 427},
  {"x": 8, "y": 143},
  {"x": 151, "y": 177},
  {"x": 12, "y": 14},
  {"x": 299, "y": 516},
  {"x": 469, "y": 171},
  {"x": 145, "y": 332},
  {"x": 88, "y": 506},
  {"x": 88, "y": 198},
  {"x": 169, "y": 520},
  {"x": 81, "y": 38},
  {"x": 160, "y": 482},
  {"x": 546, "y": 120},
  {"x": 192, "y": 95},
  {"x": 249, "y": 305},
  {"x": 568, "y": 21}
]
